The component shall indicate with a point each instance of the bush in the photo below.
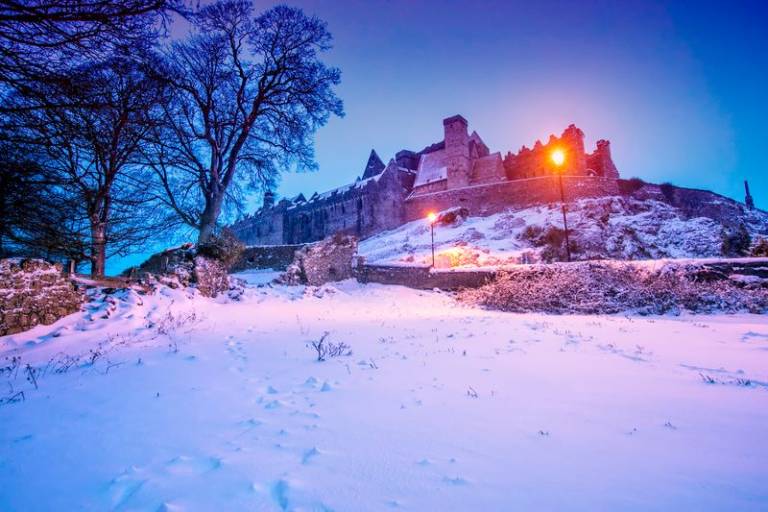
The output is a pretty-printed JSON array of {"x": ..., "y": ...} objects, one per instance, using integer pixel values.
[
  {"x": 225, "y": 248},
  {"x": 759, "y": 248},
  {"x": 736, "y": 242},
  {"x": 630, "y": 186},
  {"x": 668, "y": 191},
  {"x": 607, "y": 288}
]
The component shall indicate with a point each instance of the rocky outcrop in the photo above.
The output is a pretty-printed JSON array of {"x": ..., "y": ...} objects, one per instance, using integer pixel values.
[
  {"x": 319, "y": 263},
  {"x": 34, "y": 292},
  {"x": 188, "y": 265}
]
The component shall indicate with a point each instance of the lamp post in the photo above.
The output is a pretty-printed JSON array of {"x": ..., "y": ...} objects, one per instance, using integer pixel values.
[
  {"x": 432, "y": 217},
  {"x": 558, "y": 157}
]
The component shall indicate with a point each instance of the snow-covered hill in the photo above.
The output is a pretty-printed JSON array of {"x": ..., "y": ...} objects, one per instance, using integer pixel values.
[{"x": 610, "y": 227}]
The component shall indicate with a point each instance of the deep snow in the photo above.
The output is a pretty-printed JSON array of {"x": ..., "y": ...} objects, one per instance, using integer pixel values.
[{"x": 221, "y": 406}]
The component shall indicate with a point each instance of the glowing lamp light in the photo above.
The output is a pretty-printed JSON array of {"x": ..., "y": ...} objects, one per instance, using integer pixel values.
[
  {"x": 558, "y": 157},
  {"x": 431, "y": 217}
]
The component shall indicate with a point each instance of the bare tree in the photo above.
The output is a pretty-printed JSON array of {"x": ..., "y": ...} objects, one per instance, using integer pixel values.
[
  {"x": 249, "y": 94},
  {"x": 90, "y": 152},
  {"x": 40, "y": 40},
  {"x": 37, "y": 216}
]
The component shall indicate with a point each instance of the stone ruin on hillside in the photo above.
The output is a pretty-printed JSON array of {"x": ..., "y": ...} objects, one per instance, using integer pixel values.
[{"x": 459, "y": 170}]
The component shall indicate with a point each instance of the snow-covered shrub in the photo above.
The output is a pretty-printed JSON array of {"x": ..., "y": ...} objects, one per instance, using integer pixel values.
[
  {"x": 759, "y": 248},
  {"x": 736, "y": 242},
  {"x": 611, "y": 287}
]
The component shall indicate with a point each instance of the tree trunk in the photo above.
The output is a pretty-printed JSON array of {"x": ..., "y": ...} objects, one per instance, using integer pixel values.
[
  {"x": 98, "y": 249},
  {"x": 208, "y": 219}
]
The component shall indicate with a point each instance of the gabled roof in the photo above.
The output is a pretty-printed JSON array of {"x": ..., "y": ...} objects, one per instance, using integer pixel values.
[
  {"x": 432, "y": 168},
  {"x": 374, "y": 165}
]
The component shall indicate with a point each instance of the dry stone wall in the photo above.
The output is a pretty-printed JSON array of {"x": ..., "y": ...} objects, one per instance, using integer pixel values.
[{"x": 34, "y": 292}]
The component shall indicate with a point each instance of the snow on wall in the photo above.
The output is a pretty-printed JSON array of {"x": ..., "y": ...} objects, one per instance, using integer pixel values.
[{"x": 34, "y": 292}]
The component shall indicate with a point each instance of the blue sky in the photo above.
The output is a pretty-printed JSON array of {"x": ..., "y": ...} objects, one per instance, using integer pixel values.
[{"x": 678, "y": 87}]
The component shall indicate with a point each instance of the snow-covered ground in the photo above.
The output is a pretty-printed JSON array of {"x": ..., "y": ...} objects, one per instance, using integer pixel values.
[
  {"x": 175, "y": 402},
  {"x": 607, "y": 227}
]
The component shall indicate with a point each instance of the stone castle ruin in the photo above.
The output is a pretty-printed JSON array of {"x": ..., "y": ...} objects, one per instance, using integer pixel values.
[{"x": 459, "y": 171}]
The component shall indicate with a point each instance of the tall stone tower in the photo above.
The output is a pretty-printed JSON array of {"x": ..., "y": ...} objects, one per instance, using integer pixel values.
[
  {"x": 748, "y": 199},
  {"x": 573, "y": 138},
  {"x": 457, "y": 151}
]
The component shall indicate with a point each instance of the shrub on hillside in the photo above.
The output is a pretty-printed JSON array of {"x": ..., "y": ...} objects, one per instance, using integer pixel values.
[
  {"x": 759, "y": 248},
  {"x": 668, "y": 191},
  {"x": 630, "y": 186},
  {"x": 225, "y": 248},
  {"x": 606, "y": 288},
  {"x": 736, "y": 242}
]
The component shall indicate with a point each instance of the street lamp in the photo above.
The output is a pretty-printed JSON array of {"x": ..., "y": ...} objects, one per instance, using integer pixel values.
[
  {"x": 432, "y": 217},
  {"x": 558, "y": 158}
]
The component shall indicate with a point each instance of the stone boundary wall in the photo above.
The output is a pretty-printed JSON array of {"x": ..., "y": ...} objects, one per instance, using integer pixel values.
[
  {"x": 496, "y": 197},
  {"x": 423, "y": 279},
  {"x": 34, "y": 292},
  {"x": 277, "y": 257}
]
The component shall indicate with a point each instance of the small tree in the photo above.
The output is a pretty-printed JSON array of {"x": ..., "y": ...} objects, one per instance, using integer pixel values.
[{"x": 249, "y": 93}]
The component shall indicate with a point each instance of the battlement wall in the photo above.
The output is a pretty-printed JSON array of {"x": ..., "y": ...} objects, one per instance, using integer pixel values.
[{"x": 493, "y": 198}]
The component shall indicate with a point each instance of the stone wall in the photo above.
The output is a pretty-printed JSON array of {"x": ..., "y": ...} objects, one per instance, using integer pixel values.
[
  {"x": 423, "y": 278},
  {"x": 183, "y": 266},
  {"x": 277, "y": 257},
  {"x": 494, "y": 198},
  {"x": 34, "y": 292},
  {"x": 362, "y": 209},
  {"x": 319, "y": 263}
]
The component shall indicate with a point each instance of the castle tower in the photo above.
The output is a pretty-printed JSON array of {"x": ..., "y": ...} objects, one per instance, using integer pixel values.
[
  {"x": 457, "y": 151},
  {"x": 269, "y": 199},
  {"x": 748, "y": 199},
  {"x": 573, "y": 138},
  {"x": 607, "y": 167}
]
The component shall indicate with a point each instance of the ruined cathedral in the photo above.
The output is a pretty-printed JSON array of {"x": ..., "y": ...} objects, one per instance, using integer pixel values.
[{"x": 459, "y": 170}]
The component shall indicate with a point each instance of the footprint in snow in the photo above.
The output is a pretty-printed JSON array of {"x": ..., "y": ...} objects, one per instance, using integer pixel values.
[
  {"x": 455, "y": 481},
  {"x": 272, "y": 391},
  {"x": 123, "y": 487},
  {"x": 279, "y": 493},
  {"x": 309, "y": 455},
  {"x": 185, "y": 465},
  {"x": 170, "y": 507}
]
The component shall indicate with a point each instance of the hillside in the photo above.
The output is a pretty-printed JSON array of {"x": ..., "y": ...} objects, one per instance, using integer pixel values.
[{"x": 618, "y": 227}]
